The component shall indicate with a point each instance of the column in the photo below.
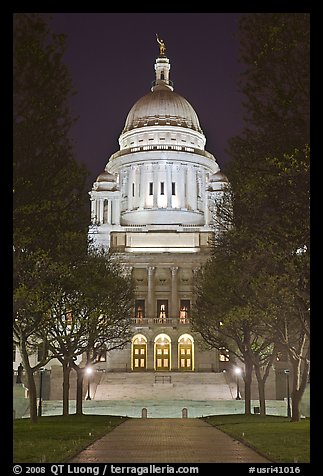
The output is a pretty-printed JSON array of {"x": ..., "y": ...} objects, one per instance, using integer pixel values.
[
  {"x": 110, "y": 211},
  {"x": 101, "y": 205},
  {"x": 155, "y": 182},
  {"x": 151, "y": 311},
  {"x": 192, "y": 188},
  {"x": 206, "y": 211},
  {"x": 174, "y": 295},
  {"x": 168, "y": 185},
  {"x": 93, "y": 214},
  {"x": 181, "y": 172},
  {"x": 142, "y": 187},
  {"x": 131, "y": 181},
  {"x": 116, "y": 211}
]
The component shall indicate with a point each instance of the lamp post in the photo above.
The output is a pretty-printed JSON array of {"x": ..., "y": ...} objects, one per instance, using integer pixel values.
[
  {"x": 289, "y": 413},
  {"x": 41, "y": 372},
  {"x": 237, "y": 371},
  {"x": 89, "y": 371}
]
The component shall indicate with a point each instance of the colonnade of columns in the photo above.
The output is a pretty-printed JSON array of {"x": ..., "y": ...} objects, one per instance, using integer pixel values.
[
  {"x": 105, "y": 211},
  {"x": 188, "y": 194},
  {"x": 151, "y": 297}
]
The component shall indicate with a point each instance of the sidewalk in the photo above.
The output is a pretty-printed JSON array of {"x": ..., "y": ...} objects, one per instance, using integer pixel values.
[{"x": 167, "y": 440}]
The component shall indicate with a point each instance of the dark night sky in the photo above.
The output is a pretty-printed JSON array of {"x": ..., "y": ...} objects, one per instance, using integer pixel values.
[{"x": 111, "y": 58}]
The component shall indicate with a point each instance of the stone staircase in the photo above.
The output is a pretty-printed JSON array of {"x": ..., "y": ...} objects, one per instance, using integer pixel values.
[{"x": 163, "y": 386}]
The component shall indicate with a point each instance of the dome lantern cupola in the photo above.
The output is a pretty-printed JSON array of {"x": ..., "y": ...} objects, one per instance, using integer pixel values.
[{"x": 162, "y": 68}]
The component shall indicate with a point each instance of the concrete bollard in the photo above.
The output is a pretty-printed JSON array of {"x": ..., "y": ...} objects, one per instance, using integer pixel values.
[
  {"x": 184, "y": 413},
  {"x": 144, "y": 413}
]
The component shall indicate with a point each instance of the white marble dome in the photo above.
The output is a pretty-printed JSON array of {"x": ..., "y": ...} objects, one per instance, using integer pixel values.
[
  {"x": 162, "y": 106},
  {"x": 162, "y": 176},
  {"x": 106, "y": 177}
]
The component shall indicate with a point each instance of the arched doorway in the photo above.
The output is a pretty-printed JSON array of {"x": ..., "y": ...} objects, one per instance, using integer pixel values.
[
  {"x": 186, "y": 352},
  {"x": 139, "y": 352},
  {"x": 162, "y": 345}
]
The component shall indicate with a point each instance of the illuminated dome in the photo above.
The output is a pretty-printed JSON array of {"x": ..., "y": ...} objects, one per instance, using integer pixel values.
[
  {"x": 218, "y": 177},
  {"x": 162, "y": 106},
  {"x": 105, "y": 181},
  {"x": 106, "y": 177}
]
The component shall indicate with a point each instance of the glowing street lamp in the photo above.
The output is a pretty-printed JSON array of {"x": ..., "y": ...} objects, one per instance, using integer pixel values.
[
  {"x": 89, "y": 372},
  {"x": 237, "y": 371}
]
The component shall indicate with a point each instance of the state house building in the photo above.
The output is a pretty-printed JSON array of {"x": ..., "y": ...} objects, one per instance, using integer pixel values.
[{"x": 152, "y": 206}]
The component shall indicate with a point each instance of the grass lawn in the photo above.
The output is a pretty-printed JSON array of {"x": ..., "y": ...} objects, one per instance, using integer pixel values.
[
  {"x": 275, "y": 437},
  {"x": 54, "y": 439}
]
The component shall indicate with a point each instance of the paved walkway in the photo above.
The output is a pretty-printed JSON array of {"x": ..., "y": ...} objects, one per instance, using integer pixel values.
[{"x": 167, "y": 440}]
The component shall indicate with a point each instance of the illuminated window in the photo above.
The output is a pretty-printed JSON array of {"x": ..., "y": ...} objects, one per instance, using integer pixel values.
[
  {"x": 140, "y": 309},
  {"x": 162, "y": 188},
  {"x": 69, "y": 317},
  {"x": 173, "y": 188},
  {"x": 224, "y": 355},
  {"x": 162, "y": 309},
  {"x": 151, "y": 188},
  {"x": 102, "y": 356},
  {"x": 184, "y": 311}
]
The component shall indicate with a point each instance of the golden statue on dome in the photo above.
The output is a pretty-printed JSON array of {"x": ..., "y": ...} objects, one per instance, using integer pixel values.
[{"x": 162, "y": 47}]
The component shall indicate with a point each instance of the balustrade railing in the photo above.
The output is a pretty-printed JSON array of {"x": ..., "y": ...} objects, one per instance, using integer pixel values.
[{"x": 169, "y": 321}]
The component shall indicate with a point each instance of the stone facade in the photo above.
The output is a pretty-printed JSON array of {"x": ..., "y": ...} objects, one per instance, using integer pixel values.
[{"x": 153, "y": 206}]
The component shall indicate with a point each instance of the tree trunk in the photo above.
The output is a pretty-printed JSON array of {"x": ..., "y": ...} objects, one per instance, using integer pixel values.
[
  {"x": 66, "y": 387},
  {"x": 79, "y": 387},
  {"x": 247, "y": 386},
  {"x": 79, "y": 391},
  {"x": 32, "y": 392},
  {"x": 300, "y": 378},
  {"x": 261, "y": 390}
]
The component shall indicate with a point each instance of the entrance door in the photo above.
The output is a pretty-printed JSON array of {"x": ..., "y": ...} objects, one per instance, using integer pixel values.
[
  {"x": 162, "y": 356},
  {"x": 162, "y": 352},
  {"x": 139, "y": 354},
  {"x": 185, "y": 353}
]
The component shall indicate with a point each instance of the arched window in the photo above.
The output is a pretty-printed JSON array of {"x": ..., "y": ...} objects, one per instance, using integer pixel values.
[{"x": 162, "y": 75}]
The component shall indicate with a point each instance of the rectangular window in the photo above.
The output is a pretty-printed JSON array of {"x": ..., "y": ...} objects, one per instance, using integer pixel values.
[
  {"x": 184, "y": 310},
  {"x": 151, "y": 188},
  {"x": 133, "y": 189},
  {"x": 14, "y": 353},
  {"x": 162, "y": 309},
  {"x": 102, "y": 357},
  {"x": 140, "y": 309},
  {"x": 69, "y": 317},
  {"x": 224, "y": 355},
  {"x": 162, "y": 188},
  {"x": 173, "y": 188}
]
